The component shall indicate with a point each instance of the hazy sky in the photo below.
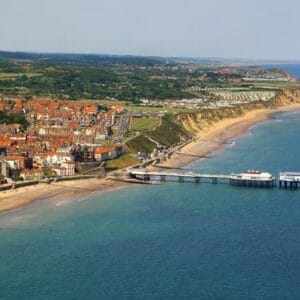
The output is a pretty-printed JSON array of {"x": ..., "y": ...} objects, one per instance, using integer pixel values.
[{"x": 204, "y": 28}]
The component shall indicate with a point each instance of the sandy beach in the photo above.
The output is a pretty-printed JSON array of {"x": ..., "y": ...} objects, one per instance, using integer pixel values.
[
  {"x": 214, "y": 138},
  {"x": 206, "y": 142},
  {"x": 12, "y": 199}
]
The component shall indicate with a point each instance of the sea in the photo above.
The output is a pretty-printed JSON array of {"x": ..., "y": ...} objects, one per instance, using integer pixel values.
[
  {"x": 293, "y": 69},
  {"x": 169, "y": 240}
]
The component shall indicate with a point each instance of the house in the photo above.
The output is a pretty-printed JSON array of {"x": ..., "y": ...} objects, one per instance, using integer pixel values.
[
  {"x": 15, "y": 162},
  {"x": 69, "y": 168},
  {"x": 115, "y": 151},
  {"x": 118, "y": 108},
  {"x": 18, "y": 137},
  {"x": 65, "y": 169},
  {"x": 90, "y": 109},
  {"x": 101, "y": 153},
  {"x": 4, "y": 168},
  {"x": 39, "y": 160},
  {"x": 58, "y": 157},
  {"x": 59, "y": 171},
  {"x": 32, "y": 174},
  {"x": 4, "y": 144},
  {"x": 10, "y": 128},
  {"x": 107, "y": 119}
]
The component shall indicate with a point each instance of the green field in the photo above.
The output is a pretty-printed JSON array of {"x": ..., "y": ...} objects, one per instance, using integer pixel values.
[
  {"x": 4, "y": 75},
  {"x": 123, "y": 161},
  {"x": 276, "y": 85},
  {"x": 143, "y": 124}
]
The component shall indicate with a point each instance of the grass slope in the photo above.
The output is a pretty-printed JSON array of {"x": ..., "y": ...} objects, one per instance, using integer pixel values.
[
  {"x": 140, "y": 144},
  {"x": 167, "y": 134}
]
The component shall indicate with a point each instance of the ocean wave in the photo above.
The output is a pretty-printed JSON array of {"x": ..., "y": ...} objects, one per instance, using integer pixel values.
[
  {"x": 251, "y": 129},
  {"x": 231, "y": 143}
]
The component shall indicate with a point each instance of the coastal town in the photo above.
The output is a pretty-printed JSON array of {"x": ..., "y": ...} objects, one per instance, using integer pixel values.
[
  {"x": 78, "y": 118},
  {"x": 65, "y": 138},
  {"x": 59, "y": 136},
  {"x": 149, "y": 150}
]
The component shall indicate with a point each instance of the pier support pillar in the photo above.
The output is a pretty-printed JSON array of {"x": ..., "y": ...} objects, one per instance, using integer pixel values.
[
  {"x": 214, "y": 180},
  {"x": 162, "y": 177},
  {"x": 197, "y": 180},
  {"x": 180, "y": 179}
]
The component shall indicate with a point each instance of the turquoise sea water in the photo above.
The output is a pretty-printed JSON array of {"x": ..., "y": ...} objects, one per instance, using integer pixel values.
[{"x": 169, "y": 241}]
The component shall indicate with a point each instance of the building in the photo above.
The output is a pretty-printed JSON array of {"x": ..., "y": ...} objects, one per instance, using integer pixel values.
[
  {"x": 4, "y": 168},
  {"x": 58, "y": 157},
  {"x": 101, "y": 153},
  {"x": 32, "y": 174},
  {"x": 15, "y": 162},
  {"x": 69, "y": 168},
  {"x": 65, "y": 169}
]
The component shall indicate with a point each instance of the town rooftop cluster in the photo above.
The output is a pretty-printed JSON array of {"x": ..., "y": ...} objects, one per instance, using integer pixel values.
[{"x": 60, "y": 134}]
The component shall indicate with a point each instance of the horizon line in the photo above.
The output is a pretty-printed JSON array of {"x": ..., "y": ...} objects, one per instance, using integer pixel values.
[{"x": 232, "y": 59}]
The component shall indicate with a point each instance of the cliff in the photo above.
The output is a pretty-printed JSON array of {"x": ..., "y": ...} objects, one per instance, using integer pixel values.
[
  {"x": 175, "y": 128},
  {"x": 196, "y": 122}
]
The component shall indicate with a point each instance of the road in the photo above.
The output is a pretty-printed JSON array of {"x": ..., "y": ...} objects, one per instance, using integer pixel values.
[{"x": 122, "y": 127}]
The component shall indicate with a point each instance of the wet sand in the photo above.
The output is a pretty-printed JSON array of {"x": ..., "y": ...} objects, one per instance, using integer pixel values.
[{"x": 206, "y": 142}]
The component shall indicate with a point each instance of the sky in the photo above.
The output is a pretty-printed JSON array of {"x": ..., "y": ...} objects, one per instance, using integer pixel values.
[{"x": 256, "y": 29}]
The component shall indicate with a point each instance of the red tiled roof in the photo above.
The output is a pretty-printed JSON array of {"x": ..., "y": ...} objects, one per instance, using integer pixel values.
[
  {"x": 32, "y": 171},
  {"x": 101, "y": 150}
]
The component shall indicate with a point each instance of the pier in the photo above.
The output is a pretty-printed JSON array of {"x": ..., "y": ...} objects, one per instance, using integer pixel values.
[
  {"x": 253, "y": 179},
  {"x": 248, "y": 178},
  {"x": 289, "y": 180}
]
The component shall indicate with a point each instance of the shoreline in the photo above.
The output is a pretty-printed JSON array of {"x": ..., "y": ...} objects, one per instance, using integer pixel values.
[
  {"x": 215, "y": 137},
  {"x": 14, "y": 199},
  {"x": 204, "y": 143}
]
